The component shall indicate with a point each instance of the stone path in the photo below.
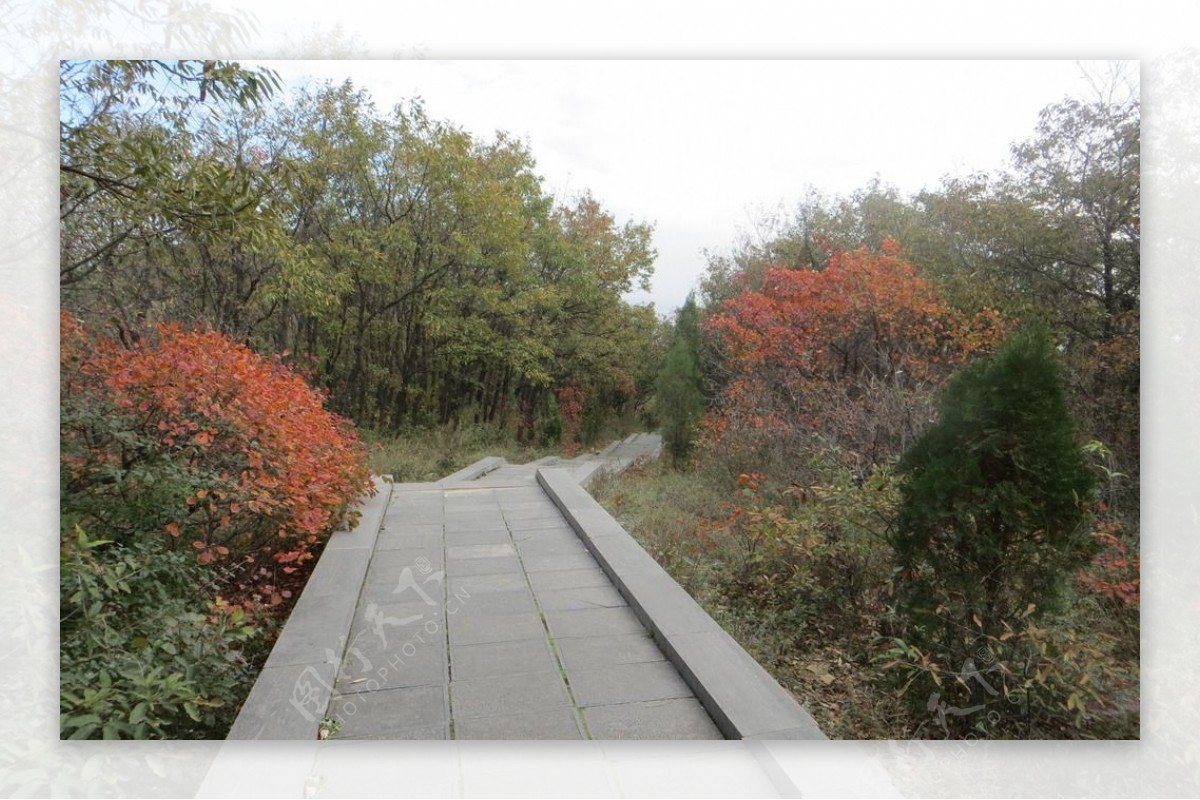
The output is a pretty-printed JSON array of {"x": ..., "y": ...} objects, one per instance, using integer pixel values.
[
  {"x": 503, "y": 602},
  {"x": 483, "y": 616}
]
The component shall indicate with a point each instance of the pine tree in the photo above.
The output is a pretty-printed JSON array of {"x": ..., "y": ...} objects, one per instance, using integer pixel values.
[
  {"x": 995, "y": 501},
  {"x": 680, "y": 392}
]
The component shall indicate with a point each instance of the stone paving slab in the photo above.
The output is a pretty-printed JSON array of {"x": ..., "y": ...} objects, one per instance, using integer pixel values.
[
  {"x": 388, "y": 564},
  {"x": 417, "y": 488},
  {"x": 472, "y": 523},
  {"x": 680, "y": 718},
  {"x": 494, "y": 659},
  {"x": 469, "y": 551},
  {"x": 569, "y": 579},
  {"x": 509, "y": 694},
  {"x": 269, "y": 713},
  {"x": 556, "y": 562},
  {"x": 371, "y": 672},
  {"x": 580, "y": 598},
  {"x": 628, "y": 683},
  {"x": 483, "y": 566},
  {"x": 567, "y": 544},
  {"x": 321, "y": 627},
  {"x": 479, "y": 536},
  {"x": 484, "y": 584},
  {"x": 525, "y": 626},
  {"x": 601, "y": 651},
  {"x": 401, "y": 541},
  {"x": 400, "y": 523},
  {"x": 558, "y": 543},
  {"x": 572, "y": 623},
  {"x": 390, "y": 619},
  {"x": 408, "y": 713},
  {"x": 492, "y": 603},
  {"x": 555, "y": 723}
]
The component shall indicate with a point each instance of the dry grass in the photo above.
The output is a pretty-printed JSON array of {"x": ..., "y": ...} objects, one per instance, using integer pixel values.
[{"x": 432, "y": 455}]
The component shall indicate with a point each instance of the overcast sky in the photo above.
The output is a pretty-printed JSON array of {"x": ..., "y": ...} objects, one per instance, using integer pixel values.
[{"x": 699, "y": 148}]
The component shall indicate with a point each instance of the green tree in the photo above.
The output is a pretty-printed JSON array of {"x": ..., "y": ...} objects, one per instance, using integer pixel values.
[
  {"x": 129, "y": 173},
  {"x": 1082, "y": 170},
  {"x": 1058, "y": 234},
  {"x": 680, "y": 391},
  {"x": 994, "y": 503},
  {"x": 166, "y": 193}
]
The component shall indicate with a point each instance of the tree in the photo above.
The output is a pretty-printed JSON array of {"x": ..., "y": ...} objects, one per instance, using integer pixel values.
[
  {"x": 994, "y": 503},
  {"x": 1057, "y": 235},
  {"x": 1082, "y": 171},
  {"x": 841, "y": 358},
  {"x": 819, "y": 226},
  {"x": 1080, "y": 176},
  {"x": 129, "y": 170},
  {"x": 679, "y": 390}
]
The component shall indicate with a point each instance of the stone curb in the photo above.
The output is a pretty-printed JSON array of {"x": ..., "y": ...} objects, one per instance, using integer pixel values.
[
  {"x": 292, "y": 692},
  {"x": 741, "y": 697},
  {"x": 587, "y": 474},
  {"x": 606, "y": 464},
  {"x": 469, "y": 473}
]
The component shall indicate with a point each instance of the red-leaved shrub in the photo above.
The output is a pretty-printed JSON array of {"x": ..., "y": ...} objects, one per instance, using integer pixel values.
[{"x": 192, "y": 435}]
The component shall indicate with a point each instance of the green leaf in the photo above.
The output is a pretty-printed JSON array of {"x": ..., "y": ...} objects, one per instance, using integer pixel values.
[
  {"x": 81, "y": 720},
  {"x": 84, "y": 731}
]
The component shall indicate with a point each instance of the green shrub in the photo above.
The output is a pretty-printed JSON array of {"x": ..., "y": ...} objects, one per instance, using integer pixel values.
[
  {"x": 138, "y": 658},
  {"x": 813, "y": 556},
  {"x": 993, "y": 520}
]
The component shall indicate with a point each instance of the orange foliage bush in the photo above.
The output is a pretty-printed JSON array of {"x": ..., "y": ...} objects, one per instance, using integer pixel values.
[
  {"x": 238, "y": 455},
  {"x": 849, "y": 353}
]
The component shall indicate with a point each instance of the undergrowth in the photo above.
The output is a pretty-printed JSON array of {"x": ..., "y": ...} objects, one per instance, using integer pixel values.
[{"x": 800, "y": 574}]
